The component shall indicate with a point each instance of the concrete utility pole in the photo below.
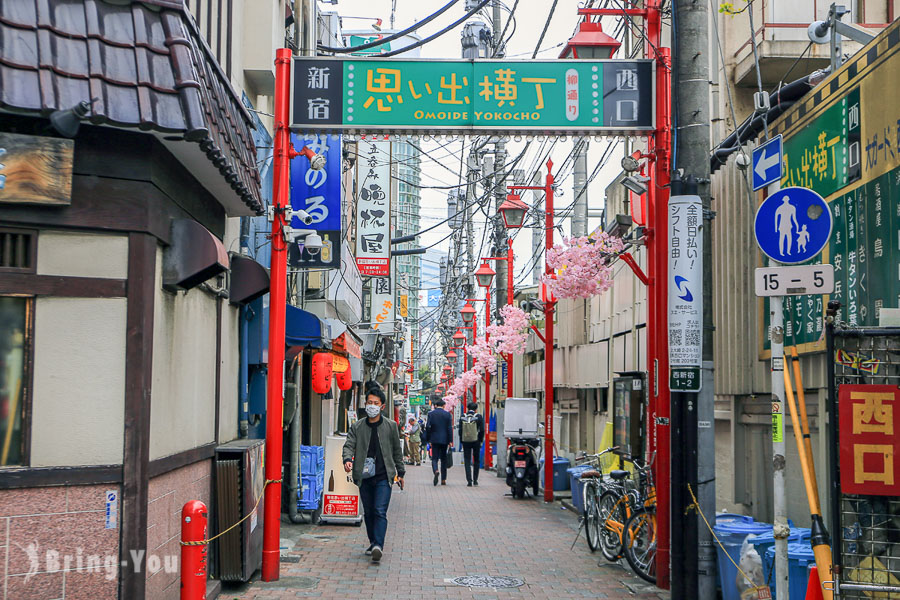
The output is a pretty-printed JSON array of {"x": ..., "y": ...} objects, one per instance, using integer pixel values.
[
  {"x": 536, "y": 231},
  {"x": 499, "y": 175},
  {"x": 693, "y": 442},
  {"x": 579, "y": 225}
]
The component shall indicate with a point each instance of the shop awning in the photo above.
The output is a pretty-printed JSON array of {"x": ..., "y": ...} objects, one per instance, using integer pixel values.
[{"x": 303, "y": 328}]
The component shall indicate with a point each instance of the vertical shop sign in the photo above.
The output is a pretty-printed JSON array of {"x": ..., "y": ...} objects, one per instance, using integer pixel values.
[
  {"x": 869, "y": 439},
  {"x": 319, "y": 194},
  {"x": 373, "y": 209}
]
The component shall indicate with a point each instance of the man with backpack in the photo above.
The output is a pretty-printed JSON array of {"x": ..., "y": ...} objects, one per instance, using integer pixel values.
[{"x": 471, "y": 433}]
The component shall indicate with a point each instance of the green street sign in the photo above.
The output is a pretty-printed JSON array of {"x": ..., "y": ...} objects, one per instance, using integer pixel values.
[
  {"x": 684, "y": 379},
  {"x": 472, "y": 96},
  {"x": 418, "y": 400}
]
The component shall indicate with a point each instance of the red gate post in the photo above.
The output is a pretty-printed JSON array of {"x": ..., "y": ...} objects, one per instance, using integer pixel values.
[
  {"x": 277, "y": 300},
  {"x": 549, "y": 305},
  {"x": 194, "y": 548}
]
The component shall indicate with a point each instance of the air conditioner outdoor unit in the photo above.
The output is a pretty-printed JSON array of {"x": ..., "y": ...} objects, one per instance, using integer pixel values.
[{"x": 240, "y": 479}]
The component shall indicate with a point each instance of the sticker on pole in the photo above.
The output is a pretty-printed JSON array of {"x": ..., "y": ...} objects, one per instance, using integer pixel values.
[
  {"x": 685, "y": 301},
  {"x": 793, "y": 225},
  {"x": 767, "y": 163}
]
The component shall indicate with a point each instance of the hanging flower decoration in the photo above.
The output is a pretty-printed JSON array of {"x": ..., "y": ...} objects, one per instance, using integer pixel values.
[
  {"x": 508, "y": 337},
  {"x": 580, "y": 266}
]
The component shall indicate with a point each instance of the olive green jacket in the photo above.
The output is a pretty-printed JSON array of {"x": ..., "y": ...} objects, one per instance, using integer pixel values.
[{"x": 357, "y": 447}]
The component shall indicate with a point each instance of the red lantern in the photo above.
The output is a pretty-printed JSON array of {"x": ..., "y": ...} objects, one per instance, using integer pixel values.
[{"x": 322, "y": 365}]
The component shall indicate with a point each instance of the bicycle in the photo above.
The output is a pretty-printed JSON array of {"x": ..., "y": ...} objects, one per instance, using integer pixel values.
[
  {"x": 594, "y": 486},
  {"x": 639, "y": 531},
  {"x": 617, "y": 505}
]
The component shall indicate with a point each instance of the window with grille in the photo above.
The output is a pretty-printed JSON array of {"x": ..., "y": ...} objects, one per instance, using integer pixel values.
[{"x": 17, "y": 250}]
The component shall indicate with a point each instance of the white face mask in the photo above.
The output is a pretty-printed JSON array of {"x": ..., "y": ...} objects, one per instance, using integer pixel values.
[{"x": 372, "y": 410}]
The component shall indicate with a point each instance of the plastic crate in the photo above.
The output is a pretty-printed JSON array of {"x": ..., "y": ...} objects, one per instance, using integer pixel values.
[
  {"x": 311, "y": 477},
  {"x": 310, "y": 492}
]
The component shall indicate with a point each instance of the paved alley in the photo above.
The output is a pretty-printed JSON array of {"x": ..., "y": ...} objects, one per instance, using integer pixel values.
[{"x": 436, "y": 534}]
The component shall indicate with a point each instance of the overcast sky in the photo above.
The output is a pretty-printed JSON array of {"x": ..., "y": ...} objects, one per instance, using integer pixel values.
[{"x": 530, "y": 17}]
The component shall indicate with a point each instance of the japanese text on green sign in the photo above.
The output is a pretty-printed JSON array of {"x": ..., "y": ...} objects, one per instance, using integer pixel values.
[{"x": 391, "y": 95}]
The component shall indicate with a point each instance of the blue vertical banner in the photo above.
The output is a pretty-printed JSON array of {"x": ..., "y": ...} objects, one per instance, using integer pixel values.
[{"x": 319, "y": 194}]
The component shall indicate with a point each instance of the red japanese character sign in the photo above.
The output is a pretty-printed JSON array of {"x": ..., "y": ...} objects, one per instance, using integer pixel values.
[{"x": 870, "y": 439}]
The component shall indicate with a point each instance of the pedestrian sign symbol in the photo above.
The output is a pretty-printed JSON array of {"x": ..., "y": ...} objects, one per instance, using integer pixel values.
[
  {"x": 767, "y": 163},
  {"x": 793, "y": 225}
]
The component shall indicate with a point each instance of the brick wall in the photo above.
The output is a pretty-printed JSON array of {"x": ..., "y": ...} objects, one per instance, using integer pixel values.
[
  {"x": 168, "y": 493},
  {"x": 54, "y": 544}
]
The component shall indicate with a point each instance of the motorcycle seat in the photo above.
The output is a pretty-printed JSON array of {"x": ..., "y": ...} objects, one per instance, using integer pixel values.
[
  {"x": 593, "y": 473},
  {"x": 618, "y": 474}
]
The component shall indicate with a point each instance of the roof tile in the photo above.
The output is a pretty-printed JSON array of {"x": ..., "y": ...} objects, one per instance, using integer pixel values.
[{"x": 147, "y": 67}]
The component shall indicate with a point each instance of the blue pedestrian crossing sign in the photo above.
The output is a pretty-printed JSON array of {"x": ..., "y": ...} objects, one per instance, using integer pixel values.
[
  {"x": 767, "y": 163},
  {"x": 793, "y": 225}
]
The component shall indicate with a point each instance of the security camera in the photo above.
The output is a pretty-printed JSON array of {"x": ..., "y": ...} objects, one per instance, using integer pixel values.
[
  {"x": 630, "y": 164},
  {"x": 304, "y": 217},
  {"x": 742, "y": 161},
  {"x": 313, "y": 244},
  {"x": 317, "y": 162}
]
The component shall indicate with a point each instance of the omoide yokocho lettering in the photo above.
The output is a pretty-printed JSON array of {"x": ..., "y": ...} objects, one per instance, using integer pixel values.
[{"x": 420, "y": 115}]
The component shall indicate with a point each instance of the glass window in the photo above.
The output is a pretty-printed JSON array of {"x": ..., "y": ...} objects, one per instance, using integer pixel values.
[{"x": 14, "y": 338}]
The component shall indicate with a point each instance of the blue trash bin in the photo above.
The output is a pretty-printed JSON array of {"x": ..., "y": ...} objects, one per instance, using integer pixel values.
[
  {"x": 731, "y": 530},
  {"x": 560, "y": 476},
  {"x": 577, "y": 486},
  {"x": 800, "y": 559},
  {"x": 764, "y": 541}
]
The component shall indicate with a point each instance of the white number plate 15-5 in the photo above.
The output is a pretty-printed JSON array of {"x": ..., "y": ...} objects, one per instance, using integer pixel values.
[{"x": 794, "y": 281}]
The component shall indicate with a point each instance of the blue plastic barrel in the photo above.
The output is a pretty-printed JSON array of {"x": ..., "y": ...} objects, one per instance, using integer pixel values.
[
  {"x": 560, "y": 476},
  {"x": 731, "y": 530},
  {"x": 577, "y": 486},
  {"x": 800, "y": 559},
  {"x": 764, "y": 541}
]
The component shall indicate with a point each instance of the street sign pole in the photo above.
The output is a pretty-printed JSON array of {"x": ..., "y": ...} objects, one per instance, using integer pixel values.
[{"x": 780, "y": 529}]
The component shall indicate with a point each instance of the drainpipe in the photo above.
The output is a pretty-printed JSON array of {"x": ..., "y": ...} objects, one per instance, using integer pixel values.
[
  {"x": 245, "y": 313},
  {"x": 294, "y": 450}
]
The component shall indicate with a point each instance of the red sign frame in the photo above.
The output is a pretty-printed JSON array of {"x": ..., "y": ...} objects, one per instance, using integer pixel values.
[
  {"x": 340, "y": 505},
  {"x": 869, "y": 418}
]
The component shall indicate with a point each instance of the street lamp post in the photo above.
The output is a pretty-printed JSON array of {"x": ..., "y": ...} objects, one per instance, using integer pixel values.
[{"x": 512, "y": 215}]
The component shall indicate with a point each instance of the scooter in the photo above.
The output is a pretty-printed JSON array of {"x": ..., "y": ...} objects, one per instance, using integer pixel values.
[{"x": 522, "y": 466}]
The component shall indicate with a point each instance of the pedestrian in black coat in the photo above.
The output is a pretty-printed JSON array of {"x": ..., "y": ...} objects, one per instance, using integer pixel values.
[{"x": 439, "y": 431}]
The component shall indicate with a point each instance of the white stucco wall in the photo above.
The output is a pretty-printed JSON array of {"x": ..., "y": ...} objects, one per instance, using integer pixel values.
[
  {"x": 82, "y": 255},
  {"x": 228, "y": 378},
  {"x": 182, "y": 413},
  {"x": 79, "y": 381}
]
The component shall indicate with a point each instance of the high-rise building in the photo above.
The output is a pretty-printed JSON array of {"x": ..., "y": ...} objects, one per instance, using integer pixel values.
[{"x": 408, "y": 268}]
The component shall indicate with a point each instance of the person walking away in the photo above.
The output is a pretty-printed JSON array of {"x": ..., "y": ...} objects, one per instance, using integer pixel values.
[
  {"x": 374, "y": 455},
  {"x": 471, "y": 434},
  {"x": 414, "y": 438},
  {"x": 440, "y": 434}
]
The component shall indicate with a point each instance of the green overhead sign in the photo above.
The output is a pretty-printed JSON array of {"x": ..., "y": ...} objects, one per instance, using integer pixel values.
[{"x": 466, "y": 96}]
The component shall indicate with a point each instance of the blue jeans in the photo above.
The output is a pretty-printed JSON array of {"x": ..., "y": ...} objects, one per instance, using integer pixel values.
[{"x": 376, "y": 496}]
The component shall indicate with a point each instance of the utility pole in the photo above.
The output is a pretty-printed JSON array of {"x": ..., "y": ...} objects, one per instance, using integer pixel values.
[
  {"x": 536, "y": 231},
  {"x": 579, "y": 225},
  {"x": 693, "y": 442},
  {"x": 499, "y": 176}
]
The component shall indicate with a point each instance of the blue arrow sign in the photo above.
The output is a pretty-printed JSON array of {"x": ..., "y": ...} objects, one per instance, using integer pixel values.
[
  {"x": 793, "y": 225},
  {"x": 767, "y": 163}
]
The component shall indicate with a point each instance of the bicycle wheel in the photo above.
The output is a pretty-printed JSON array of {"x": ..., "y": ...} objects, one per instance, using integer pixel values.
[
  {"x": 591, "y": 516},
  {"x": 611, "y": 519},
  {"x": 640, "y": 543}
]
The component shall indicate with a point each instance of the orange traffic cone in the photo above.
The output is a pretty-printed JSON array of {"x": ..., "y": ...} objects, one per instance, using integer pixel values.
[{"x": 813, "y": 587}]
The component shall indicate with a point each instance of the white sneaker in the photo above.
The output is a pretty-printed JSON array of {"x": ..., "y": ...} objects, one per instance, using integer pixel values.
[{"x": 377, "y": 553}]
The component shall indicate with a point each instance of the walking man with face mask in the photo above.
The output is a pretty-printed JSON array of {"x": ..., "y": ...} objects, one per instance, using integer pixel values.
[{"x": 373, "y": 453}]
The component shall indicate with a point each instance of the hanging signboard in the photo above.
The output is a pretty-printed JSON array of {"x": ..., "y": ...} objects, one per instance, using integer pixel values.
[
  {"x": 373, "y": 208},
  {"x": 870, "y": 439},
  {"x": 383, "y": 308},
  {"x": 685, "y": 292},
  {"x": 319, "y": 194},
  {"x": 842, "y": 142},
  {"x": 472, "y": 96}
]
